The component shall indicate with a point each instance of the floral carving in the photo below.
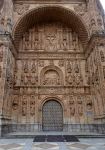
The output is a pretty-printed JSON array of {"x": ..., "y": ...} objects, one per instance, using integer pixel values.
[
  {"x": 80, "y": 9},
  {"x": 21, "y": 8}
]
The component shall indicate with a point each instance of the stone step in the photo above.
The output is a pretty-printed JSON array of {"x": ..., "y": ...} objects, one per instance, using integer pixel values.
[{"x": 32, "y": 136}]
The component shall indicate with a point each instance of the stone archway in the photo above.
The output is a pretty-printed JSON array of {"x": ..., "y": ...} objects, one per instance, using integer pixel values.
[{"x": 52, "y": 116}]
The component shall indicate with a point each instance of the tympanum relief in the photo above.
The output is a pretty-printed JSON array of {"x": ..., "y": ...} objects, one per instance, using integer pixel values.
[{"x": 51, "y": 37}]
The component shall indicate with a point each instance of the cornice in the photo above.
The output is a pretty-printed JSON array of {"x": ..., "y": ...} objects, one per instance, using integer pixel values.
[{"x": 96, "y": 39}]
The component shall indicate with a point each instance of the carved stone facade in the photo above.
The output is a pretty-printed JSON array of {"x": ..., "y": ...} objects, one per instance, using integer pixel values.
[{"x": 52, "y": 56}]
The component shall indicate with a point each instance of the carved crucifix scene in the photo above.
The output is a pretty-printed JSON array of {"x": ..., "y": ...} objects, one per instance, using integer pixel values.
[{"x": 51, "y": 37}]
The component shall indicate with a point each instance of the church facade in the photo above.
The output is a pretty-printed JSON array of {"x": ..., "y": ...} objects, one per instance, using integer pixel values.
[{"x": 52, "y": 66}]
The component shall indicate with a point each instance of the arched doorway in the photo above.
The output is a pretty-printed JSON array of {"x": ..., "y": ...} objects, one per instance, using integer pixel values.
[{"x": 52, "y": 116}]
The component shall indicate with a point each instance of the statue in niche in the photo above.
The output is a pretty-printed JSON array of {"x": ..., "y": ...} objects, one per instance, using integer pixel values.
[
  {"x": 36, "y": 42},
  {"x": 26, "y": 67},
  {"x": 15, "y": 103},
  {"x": 26, "y": 41},
  {"x": 69, "y": 80},
  {"x": 33, "y": 70},
  {"x": 80, "y": 108},
  {"x": 25, "y": 80},
  {"x": 89, "y": 105},
  {"x": 76, "y": 68},
  {"x": 32, "y": 108},
  {"x": 33, "y": 80},
  {"x": 64, "y": 44},
  {"x": 24, "y": 108},
  {"x": 75, "y": 42},
  {"x": 22, "y": 78},
  {"x": 77, "y": 80},
  {"x": 72, "y": 108},
  {"x": 69, "y": 70}
]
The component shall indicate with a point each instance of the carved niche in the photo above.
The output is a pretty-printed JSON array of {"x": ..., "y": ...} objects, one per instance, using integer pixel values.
[
  {"x": 32, "y": 108},
  {"x": 80, "y": 106},
  {"x": 51, "y": 75},
  {"x": 21, "y": 8},
  {"x": 89, "y": 104},
  {"x": 51, "y": 37},
  {"x": 24, "y": 108},
  {"x": 15, "y": 103},
  {"x": 72, "y": 107}
]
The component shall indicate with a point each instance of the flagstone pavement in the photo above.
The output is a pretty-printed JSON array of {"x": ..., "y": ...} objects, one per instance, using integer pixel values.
[{"x": 28, "y": 144}]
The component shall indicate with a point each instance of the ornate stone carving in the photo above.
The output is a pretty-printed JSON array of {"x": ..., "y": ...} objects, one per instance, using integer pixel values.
[
  {"x": 102, "y": 56},
  {"x": 81, "y": 9},
  {"x": 41, "y": 63},
  {"x": 33, "y": 70},
  {"x": 26, "y": 67},
  {"x": 32, "y": 108},
  {"x": 72, "y": 108},
  {"x": 51, "y": 77},
  {"x": 24, "y": 108},
  {"x": 89, "y": 104},
  {"x": 61, "y": 63},
  {"x": 80, "y": 107},
  {"x": 76, "y": 68},
  {"x": 21, "y": 8},
  {"x": 15, "y": 103},
  {"x": 49, "y": 38},
  {"x": 69, "y": 70}
]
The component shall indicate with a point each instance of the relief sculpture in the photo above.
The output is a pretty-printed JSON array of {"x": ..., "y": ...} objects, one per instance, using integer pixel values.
[{"x": 51, "y": 39}]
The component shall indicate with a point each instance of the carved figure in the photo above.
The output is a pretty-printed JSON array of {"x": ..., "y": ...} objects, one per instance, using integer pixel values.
[
  {"x": 24, "y": 108},
  {"x": 102, "y": 56},
  {"x": 80, "y": 108},
  {"x": 89, "y": 104},
  {"x": 25, "y": 80},
  {"x": 69, "y": 70},
  {"x": 61, "y": 63},
  {"x": 72, "y": 108},
  {"x": 15, "y": 103},
  {"x": 32, "y": 108},
  {"x": 33, "y": 70},
  {"x": 26, "y": 67},
  {"x": 0, "y": 71},
  {"x": 76, "y": 68},
  {"x": 33, "y": 80}
]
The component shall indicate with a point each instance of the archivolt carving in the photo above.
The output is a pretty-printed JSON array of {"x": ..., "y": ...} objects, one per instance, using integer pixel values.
[{"x": 57, "y": 78}]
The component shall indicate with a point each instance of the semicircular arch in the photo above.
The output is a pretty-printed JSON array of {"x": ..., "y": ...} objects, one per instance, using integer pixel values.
[
  {"x": 48, "y": 14},
  {"x": 51, "y": 68}
]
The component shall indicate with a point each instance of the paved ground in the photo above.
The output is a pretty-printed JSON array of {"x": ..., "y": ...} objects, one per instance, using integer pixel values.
[{"x": 28, "y": 144}]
